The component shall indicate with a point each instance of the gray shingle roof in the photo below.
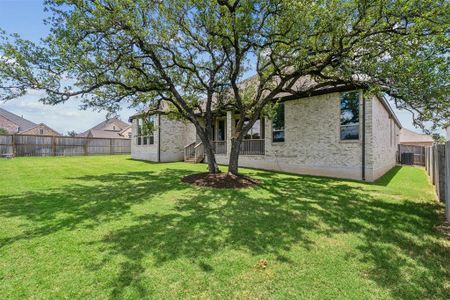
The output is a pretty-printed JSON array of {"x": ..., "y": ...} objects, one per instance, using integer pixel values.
[
  {"x": 23, "y": 124},
  {"x": 99, "y": 129},
  {"x": 409, "y": 136},
  {"x": 105, "y": 134},
  {"x": 121, "y": 124}
]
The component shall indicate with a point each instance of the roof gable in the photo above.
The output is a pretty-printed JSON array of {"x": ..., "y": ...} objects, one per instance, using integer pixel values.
[
  {"x": 22, "y": 123},
  {"x": 113, "y": 121}
]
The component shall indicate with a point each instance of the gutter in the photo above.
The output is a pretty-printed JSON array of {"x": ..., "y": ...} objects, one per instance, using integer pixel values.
[
  {"x": 159, "y": 138},
  {"x": 363, "y": 145}
]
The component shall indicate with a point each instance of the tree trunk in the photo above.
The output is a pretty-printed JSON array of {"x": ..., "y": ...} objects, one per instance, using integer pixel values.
[
  {"x": 211, "y": 158},
  {"x": 233, "y": 164},
  {"x": 209, "y": 151}
]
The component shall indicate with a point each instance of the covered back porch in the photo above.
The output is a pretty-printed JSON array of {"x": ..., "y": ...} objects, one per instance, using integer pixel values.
[{"x": 223, "y": 131}]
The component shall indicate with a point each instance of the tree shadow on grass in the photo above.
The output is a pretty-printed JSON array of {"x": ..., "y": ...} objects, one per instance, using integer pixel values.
[
  {"x": 97, "y": 199},
  {"x": 396, "y": 236}
]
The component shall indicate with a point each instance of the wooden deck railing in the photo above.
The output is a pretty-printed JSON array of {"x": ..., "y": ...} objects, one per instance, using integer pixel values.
[
  {"x": 220, "y": 147},
  {"x": 194, "y": 152},
  {"x": 252, "y": 147},
  {"x": 189, "y": 151}
]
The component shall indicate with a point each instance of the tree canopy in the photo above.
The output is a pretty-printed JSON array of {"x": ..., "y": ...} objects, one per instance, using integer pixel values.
[{"x": 193, "y": 55}]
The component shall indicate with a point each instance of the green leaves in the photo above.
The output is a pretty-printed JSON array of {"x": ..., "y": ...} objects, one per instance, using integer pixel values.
[{"x": 195, "y": 54}]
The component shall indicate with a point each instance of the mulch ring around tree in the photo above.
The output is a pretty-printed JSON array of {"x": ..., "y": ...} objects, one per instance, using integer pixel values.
[{"x": 220, "y": 180}]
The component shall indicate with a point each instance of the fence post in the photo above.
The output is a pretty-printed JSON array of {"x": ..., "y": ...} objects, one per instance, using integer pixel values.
[
  {"x": 54, "y": 145},
  {"x": 447, "y": 181},
  {"x": 13, "y": 141},
  {"x": 111, "y": 151},
  {"x": 85, "y": 147},
  {"x": 440, "y": 183},
  {"x": 433, "y": 173}
]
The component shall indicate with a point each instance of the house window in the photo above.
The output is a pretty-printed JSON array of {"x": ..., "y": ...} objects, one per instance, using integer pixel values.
[
  {"x": 114, "y": 127},
  {"x": 349, "y": 116},
  {"x": 145, "y": 131},
  {"x": 41, "y": 131},
  {"x": 221, "y": 130},
  {"x": 278, "y": 125}
]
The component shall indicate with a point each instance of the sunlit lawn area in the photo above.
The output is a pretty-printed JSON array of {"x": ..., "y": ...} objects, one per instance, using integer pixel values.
[{"x": 109, "y": 227}]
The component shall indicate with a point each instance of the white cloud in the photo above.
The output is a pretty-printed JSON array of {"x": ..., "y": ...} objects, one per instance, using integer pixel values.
[{"x": 62, "y": 117}]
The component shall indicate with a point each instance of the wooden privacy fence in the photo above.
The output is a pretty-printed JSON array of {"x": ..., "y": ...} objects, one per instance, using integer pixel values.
[
  {"x": 44, "y": 145},
  {"x": 437, "y": 164}
]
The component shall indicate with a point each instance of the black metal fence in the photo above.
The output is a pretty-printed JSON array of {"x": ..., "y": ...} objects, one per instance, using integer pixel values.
[{"x": 411, "y": 155}]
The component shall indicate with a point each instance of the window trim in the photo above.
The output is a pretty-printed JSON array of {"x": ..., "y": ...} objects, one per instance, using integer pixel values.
[
  {"x": 141, "y": 139},
  {"x": 279, "y": 130},
  {"x": 359, "y": 119}
]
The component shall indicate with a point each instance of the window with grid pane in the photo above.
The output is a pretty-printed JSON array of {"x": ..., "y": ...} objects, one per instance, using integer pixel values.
[{"x": 349, "y": 105}]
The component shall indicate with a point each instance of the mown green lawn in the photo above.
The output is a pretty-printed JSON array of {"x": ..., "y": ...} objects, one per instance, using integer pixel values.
[{"x": 110, "y": 227}]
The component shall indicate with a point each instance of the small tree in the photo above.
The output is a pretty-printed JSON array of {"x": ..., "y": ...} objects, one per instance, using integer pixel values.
[
  {"x": 71, "y": 133},
  {"x": 3, "y": 131},
  {"x": 193, "y": 55}
]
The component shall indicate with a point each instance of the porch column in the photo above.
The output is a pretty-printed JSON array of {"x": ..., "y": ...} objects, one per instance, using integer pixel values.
[{"x": 230, "y": 131}]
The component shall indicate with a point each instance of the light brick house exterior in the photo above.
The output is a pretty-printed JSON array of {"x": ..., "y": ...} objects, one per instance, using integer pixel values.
[
  {"x": 312, "y": 145},
  {"x": 15, "y": 124}
]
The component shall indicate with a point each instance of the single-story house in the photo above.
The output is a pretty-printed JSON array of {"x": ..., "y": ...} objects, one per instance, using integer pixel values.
[
  {"x": 336, "y": 132},
  {"x": 411, "y": 138},
  {"x": 113, "y": 128},
  {"x": 15, "y": 124}
]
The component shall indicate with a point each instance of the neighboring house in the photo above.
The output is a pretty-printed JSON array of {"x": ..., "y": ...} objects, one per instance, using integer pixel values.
[
  {"x": 15, "y": 124},
  {"x": 110, "y": 128},
  {"x": 411, "y": 138},
  {"x": 336, "y": 132}
]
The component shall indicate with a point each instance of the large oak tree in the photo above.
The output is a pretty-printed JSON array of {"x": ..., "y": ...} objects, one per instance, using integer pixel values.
[{"x": 193, "y": 55}]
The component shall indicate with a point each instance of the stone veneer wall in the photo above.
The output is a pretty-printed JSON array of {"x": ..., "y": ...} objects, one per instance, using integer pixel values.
[
  {"x": 173, "y": 140},
  {"x": 312, "y": 143},
  {"x": 385, "y": 139},
  {"x": 143, "y": 152}
]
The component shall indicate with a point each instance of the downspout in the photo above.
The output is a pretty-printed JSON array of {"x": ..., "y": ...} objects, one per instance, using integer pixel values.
[
  {"x": 159, "y": 138},
  {"x": 363, "y": 146}
]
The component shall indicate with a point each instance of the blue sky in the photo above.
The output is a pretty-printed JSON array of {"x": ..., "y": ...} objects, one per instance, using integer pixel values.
[{"x": 25, "y": 17}]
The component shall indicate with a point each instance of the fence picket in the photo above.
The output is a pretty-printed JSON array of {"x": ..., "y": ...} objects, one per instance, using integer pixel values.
[
  {"x": 437, "y": 159},
  {"x": 43, "y": 145}
]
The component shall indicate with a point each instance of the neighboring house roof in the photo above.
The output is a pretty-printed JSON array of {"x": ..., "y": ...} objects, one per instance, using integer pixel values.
[
  {"x": 22, "y": 123},
  {"x": 104, "y": 134},
  {"x": 409, "y": 136},
  {"x": 120, "y": 124},
  {"x": 100, "y": 130},
  {"x": 125, "y": 129}
]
